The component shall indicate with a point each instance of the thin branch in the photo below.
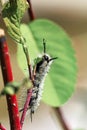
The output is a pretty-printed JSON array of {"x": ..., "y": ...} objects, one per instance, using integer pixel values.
[
  {"x": 26, "y": 105},
  {"x": 25, "y": 49},
  {"x": 8, "y": 77},
  {"x": 30, "y": 11},
  {"x": 2, "y": 127},
  {"x": 61, "y": 119},
  {"x": 29, "y": 91}
]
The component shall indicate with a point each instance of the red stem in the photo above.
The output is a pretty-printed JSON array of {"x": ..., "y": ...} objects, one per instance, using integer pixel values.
[
  {"x": 26, "y": 105},
  {"x": 30, "y": 11},
  {"x": 62, "y": 120},
  {"x": 2, "y": 127},
  {"x": 8, "y": 77},
  {"x": 29, "y": 94}
]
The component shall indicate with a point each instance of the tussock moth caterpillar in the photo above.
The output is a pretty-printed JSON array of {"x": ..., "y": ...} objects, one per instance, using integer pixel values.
[{"x": 39, "y": 72}]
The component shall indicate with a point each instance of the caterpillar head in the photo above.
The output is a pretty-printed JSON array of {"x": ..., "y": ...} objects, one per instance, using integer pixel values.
[{"x": 46, "y": 57}]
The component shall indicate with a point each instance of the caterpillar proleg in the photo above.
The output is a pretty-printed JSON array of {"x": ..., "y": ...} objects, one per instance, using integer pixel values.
[{"x": 39, "y": 72}]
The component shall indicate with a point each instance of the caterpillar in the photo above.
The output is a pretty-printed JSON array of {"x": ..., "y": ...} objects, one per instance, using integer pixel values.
[{"x": 40, "y": 70}]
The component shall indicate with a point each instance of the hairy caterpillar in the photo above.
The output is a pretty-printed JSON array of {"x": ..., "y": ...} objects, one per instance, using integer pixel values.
[{"x": 40, "y": 70}]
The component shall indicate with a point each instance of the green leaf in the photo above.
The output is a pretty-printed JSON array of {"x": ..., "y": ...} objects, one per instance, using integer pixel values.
[
  {"x": 10, "y": 88},
  {"x": 60, "y": 81},
  {"x": 13, "y": 87},
  {"x": 12, "y": 15}
]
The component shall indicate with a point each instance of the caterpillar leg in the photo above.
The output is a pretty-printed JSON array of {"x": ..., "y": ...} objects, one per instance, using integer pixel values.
[{"x": 31, "y": 113}]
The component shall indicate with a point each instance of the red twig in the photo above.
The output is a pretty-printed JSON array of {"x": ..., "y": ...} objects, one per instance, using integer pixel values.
[
  {"x": 26, "y": 107},
  {"x": 62, "y": 120},
  {"x": 29, "y": 94},
  {"x": 2, "y": 127},
  {"x": 29, "y": 91},
  {"x": 8, "y": 77},
  {"x": 30, "y": 11}
]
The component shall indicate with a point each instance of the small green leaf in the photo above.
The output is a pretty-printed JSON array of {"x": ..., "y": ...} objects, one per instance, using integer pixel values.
[
  {"x": 12, "y": 15},
  {"x": 13, "y": 87},
  {"x": 60, "y": 81},
  {"x": 7, "y": 90}
]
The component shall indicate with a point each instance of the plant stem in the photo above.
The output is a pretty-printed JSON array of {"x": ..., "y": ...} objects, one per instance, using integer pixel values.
[
  {"x": 8, "y": 77},
  {"x": 25, "y": 49},
  {"x": 30, "y": 11},
  {"x": 29, "y": 91},
  {"x": 26, "y": 105},
  {"x": 2, "y": 127},
  {"x": 62, "y": 120}
]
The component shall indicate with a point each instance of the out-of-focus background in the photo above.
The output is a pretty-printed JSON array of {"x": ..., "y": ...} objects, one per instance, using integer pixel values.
[{"x": 72, "y": 16}]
